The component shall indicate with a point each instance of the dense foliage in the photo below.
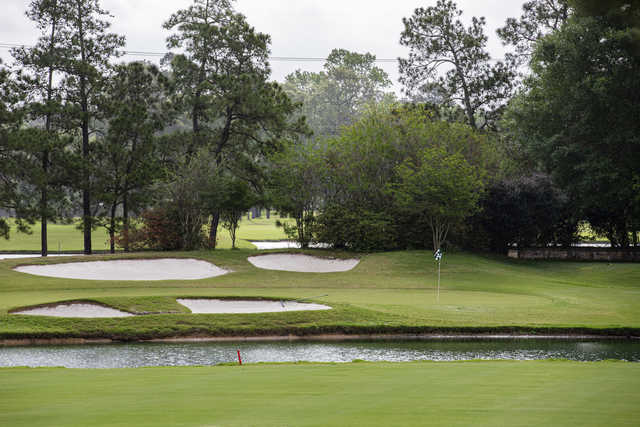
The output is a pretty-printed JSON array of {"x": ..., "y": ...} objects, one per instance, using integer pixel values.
[{"x": 197, "y": 142}]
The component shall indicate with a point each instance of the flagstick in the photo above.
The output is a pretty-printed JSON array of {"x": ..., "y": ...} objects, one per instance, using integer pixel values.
[{"x": 438, "y": 297}]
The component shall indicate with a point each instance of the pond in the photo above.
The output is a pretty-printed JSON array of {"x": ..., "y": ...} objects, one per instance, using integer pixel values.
[{"x": 191, "y": 354}]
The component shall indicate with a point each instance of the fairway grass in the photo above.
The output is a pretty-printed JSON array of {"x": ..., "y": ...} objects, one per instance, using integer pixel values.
[
  {"x": 386, "y": 293},
  {"x": 486, "y": 393}
]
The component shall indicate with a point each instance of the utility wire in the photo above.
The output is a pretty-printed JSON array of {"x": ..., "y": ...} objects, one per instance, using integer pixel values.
[
  {"x": 272, "y": 58},
  {"x": 161, "y": 54}
]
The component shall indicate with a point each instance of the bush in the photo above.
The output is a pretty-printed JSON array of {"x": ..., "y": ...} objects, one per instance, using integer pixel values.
[{"x": 162, "y": 230}]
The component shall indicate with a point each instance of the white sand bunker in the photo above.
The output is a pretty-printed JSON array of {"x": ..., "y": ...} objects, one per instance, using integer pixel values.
[
  {"x": 203, "y": 306},
  {"x": 138, "y": 269},
  {"x": 302, "y": 263},
  {"x": 74, "y": 309}
]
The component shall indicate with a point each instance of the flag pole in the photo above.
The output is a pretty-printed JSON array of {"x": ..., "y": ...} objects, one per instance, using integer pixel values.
[{"x": 438, "y": 256}]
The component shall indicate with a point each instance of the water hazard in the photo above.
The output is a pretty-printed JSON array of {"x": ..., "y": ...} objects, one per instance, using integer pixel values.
[{"x": 193, "y": 354}]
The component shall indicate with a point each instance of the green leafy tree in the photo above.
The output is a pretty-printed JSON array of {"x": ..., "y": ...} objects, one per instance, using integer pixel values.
[
  {"x": 335, "y": 97},
  {"x": 43, "y": 152},
  {"x": 539, "y": 17},
  {"x": 11, "y": 120},
  {"x": 237, "y": 198},
  {"x": 579, "y": 118},
  {"x": 359, "y": 211},
  {"x": 84, "y": 53},
  {"x": 222, "y": 83},
  {"x": 135, "y": 111},
  {"x": 450, "y": 64},
  {"x": 296, "y": 189}
]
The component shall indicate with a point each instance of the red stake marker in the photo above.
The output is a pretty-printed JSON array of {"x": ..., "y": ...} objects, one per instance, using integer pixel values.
[{"x": 239, "y": 358}]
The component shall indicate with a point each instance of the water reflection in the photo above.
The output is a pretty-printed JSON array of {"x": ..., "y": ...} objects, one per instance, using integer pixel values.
[{"x": 190, "y": 354}]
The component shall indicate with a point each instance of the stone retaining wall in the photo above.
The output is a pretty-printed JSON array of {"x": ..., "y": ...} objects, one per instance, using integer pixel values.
[{"x": 578, "y": 254}]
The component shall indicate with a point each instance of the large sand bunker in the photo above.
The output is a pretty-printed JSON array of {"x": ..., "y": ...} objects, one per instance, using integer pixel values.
[
  {"x": 201, "y": 306},
  {"x": 302, "y": 263},
  {"x": 74, "y": 309},
  {"x": 138, "y": 269}
]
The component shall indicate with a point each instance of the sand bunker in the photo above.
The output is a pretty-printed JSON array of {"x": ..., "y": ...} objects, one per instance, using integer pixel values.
[
  {"x": 302, "y": 263},
  {"x": 283, "y": 244},
  {"x": 202, "y": 306},
  {"x": 139, "y": 269},
  {"x": 74, "y": 309}
]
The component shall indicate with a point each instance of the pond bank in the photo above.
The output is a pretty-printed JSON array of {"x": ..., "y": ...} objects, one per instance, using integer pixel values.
[{"x": 318, "y": 337}]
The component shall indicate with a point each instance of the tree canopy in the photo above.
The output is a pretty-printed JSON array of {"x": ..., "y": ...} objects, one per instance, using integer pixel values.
[{"x": 448, "y": 64}]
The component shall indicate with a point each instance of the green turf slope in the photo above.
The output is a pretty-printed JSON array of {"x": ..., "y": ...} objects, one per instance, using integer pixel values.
[{"x": 386, "y": 292}]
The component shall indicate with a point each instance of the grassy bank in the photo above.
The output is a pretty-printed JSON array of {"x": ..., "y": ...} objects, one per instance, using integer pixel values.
[
  {"x": 511, "y": 393},
  {"x": 385, "y": 293}
]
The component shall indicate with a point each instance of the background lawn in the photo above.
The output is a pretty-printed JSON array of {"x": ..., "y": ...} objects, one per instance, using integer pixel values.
[
  {"x": 550, "y": 393},
  {"x": 67, "y": 237}
]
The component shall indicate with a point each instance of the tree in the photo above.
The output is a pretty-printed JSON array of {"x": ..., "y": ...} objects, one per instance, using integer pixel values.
[
  {"x": 296, "y": 189},
  {"x": 222, "y": 83},
  {"x": 84, "y": 52},
  {"x": 437, "y": 39},
  {"x": 625, "y": 13},
  {"x": 237, "y": 198},
  {"x": 335, "y": 97},
  {"x": 43, "y": 152},
  {"x": 540, "y": 17},
  {"x": 440, "y": 189},
  {"x": 579, "y": 118},
  {"x": 360, "y": 168},
  {"x": 135, "y": 111},
  {"x": 527, "y": 211},
  {"x": 10, "y": 122}
]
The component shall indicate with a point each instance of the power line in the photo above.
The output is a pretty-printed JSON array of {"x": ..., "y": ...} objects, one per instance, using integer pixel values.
[
  {"x": 161, "y": 54},
  {"x": 271, "y": 58}
]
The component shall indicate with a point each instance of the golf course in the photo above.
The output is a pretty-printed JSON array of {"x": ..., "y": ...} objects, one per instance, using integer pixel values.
[{"x": 385, "y": 293}]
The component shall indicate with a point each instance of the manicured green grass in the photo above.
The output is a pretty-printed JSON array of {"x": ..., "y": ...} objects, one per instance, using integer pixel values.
[
  {"x": 546, "y": 393},
  {"x": 66, "y": 237},
  {"x": 386, "y": 292}
]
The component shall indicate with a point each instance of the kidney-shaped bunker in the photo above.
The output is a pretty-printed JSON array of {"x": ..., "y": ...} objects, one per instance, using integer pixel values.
[
  {"x": 302, "y": 263},
  {"x": 129, "y": 269}
]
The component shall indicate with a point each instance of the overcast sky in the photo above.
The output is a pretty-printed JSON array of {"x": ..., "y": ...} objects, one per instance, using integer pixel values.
[{"x": 298, "y": 28}]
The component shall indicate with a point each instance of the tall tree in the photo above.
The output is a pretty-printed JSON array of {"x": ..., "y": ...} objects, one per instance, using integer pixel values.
[
  {"x": 44, "y": 106},
  {"x": 85, "y": 51},
  {"x": 539, "y": 17},
  {"x": 450, "y": 63},
  {"x": 579, "y": 117},
  {"x": 222, "y": 82},
  {"x": 334, "y": 98},
  {"x": 10, "y": 122},
  {"x": 135, "y": 110},
  {"x": 440, "y": 189}
]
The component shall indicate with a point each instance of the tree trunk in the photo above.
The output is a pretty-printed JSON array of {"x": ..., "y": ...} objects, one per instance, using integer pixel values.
[
  {"x": 125, "y": 222},
  {"x": 213, "y": 230},
  {"x": 44, "y": 199},
  {"x": 112, "y": 230},
  {"x": 84, "y": 104},
  {"x": 86, "y": 192},
  {"x": 44, "y": 245}
]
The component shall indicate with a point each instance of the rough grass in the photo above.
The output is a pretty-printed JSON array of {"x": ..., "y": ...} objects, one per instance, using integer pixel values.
[
  {"x": 557, "y": 393},
  {"x": 386, "y": 292}
]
